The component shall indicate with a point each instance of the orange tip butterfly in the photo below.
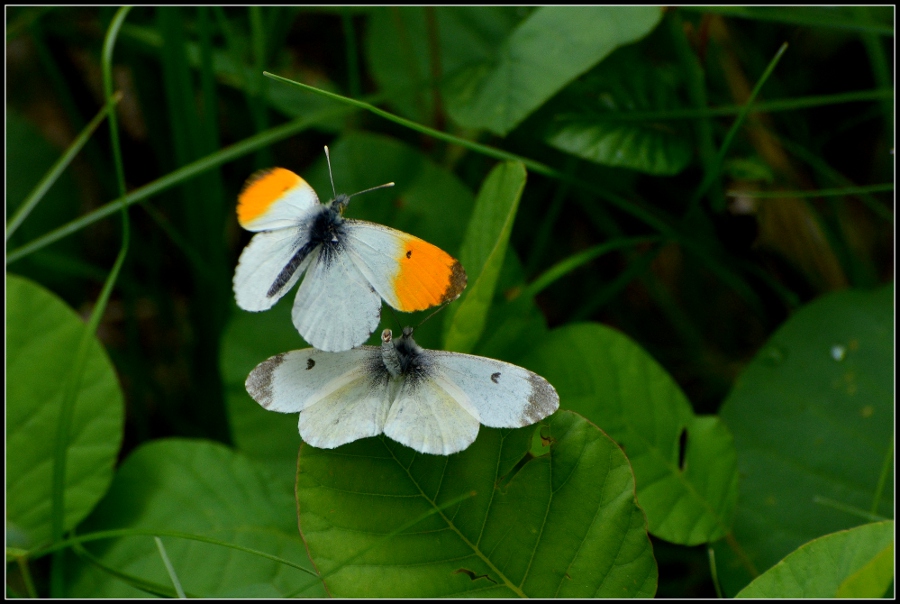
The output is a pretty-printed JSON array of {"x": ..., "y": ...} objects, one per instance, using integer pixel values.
[
  {"x": 350, "y": 265},
  {"x": 430, "y": 400}
]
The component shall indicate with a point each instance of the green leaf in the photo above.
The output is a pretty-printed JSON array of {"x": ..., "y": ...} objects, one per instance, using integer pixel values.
[
  {"x": 43, "y": 334},
  {"x": 484, "y": 248},
  {"x": 582, "y": 119},
  {"x": 613, "y": 382},
  {"x": 564, "y": 524},
  {"x": 812, "y": 417},
  {"x": 203, "y": 488},
  {"x": 399, "y": 50},
  {"x": 549, "y": 49},
  {"x": 822, "y": 568}
]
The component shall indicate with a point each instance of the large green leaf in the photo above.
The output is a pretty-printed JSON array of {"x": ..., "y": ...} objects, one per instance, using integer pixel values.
[
  {"x": 399, "y": 49},
  {"x": 42, "y": 336},
  {"x": 201, "y": 488},
  {"x": 813, "y": 419},
  {"x": 856, "y": 563},
  {"x": 613, "y": 382},
  {"x": 590, "y": 117},
  {"x": 482, "y": 254},
  {"x": 549, "y": 49},
  {"x": 563, "y": 524}
]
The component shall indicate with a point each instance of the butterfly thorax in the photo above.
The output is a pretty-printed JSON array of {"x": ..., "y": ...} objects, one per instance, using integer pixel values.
[{"x": 403, "y": 358}]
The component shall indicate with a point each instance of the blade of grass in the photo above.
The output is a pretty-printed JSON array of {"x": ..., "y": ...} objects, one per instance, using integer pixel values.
[
  {"x": 638, "y": 211},
  {"x": 810, "y": 18},
  {"x": 57, "y": 169},
  {"x": 169, "y": 568},
  {"x": 257, "y": 84},
  {"x": 814, "y": 161},
  {"x": 711, "y": 175},
  {"x": 839, "y": 192},
  {"x": 176, "y": 177},
  {"x": 73, "y": 380},
  {"x": 607, "y": 293},
  {"x": 352, "y": 52},
  {"x": 696, "y": 80},
  {"x": 794, "y": 104},
  {"x": 115, "y": 533},
  {"x": 566, "y": 266},
  {"x": 22, "y": 563},
  {"x": 483, "y": 250},
  {"x": 150, "y": 587},
  {"x": 539, "y": 244}
]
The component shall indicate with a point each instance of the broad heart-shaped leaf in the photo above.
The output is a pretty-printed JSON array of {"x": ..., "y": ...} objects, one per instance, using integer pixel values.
[
  {"x": 813, "y": 419},
  {"x": 482, "y": 253},
  {"x": 202, "y": 488},
  {"x": 855, "y": 563},
  {"x": 427, "y": 201},
  {"x": 589, "y": 118},
  {"x": 545, "y": 52},
  {"x": 399, "y": 49},
  {"x": 42, "y": 336},
  {"x": 564, "y": 524},
  {"x": 614, "y": 383}
]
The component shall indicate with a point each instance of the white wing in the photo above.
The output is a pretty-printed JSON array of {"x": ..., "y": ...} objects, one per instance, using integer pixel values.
[
  {"x": 408, "y": 272},
  {"x": 336, "y": 308},
  {"x": 260, "y": 279},
  {"x": 337, "y": 394},
  {"x": 502, "y": 394},
  {"x": 426, "y": 418}
]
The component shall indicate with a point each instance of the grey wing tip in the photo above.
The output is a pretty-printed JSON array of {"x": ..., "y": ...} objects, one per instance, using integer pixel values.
[
  {"x": 542, "y": 401},
  {"x": 259, "y": 382}
]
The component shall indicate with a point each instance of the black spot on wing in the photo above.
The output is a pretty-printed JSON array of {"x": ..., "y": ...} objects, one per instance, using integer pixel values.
[
  {"x": 259, "y": 382},
  {"x": 310, "y": 364},
  {"x": 495, "y": 377},
  {"x": 542, "y": 401},
  {"x": 409, "y": 253}
]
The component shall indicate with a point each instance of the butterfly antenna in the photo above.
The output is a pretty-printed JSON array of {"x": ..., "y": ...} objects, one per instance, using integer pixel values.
[
  {"x": 330, "y": 175},
  {"x": 385, "y": 185},
  {"x": 397, "y": 319},
  {"x": 440, "y": 308}
]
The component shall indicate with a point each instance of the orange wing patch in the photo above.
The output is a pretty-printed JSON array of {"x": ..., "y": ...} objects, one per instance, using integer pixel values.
[
  {"x": 428, "y": 276},
  {"x": 262, "y": 190}
]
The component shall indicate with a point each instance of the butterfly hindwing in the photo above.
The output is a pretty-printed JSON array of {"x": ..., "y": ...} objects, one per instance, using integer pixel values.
[
  {"x": 339, "y": 395},
  {"x": 502, "y": 395},
  {"x": 336, "y": 308},
  {"x": 427, "y": 418}
]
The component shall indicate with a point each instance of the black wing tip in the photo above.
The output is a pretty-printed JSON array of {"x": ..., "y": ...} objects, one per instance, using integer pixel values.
[{"x": 457, "y": 283}]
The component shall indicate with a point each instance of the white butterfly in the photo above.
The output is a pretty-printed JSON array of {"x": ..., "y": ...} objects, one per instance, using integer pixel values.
[
  {"x": 351, "y": 265},
  {"x": 430, "y": 400}
]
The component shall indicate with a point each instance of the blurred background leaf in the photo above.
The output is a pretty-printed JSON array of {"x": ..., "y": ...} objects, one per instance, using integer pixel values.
[
  {"x": 42, "y": 336},
  {"x": 812, "y": 417}
]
